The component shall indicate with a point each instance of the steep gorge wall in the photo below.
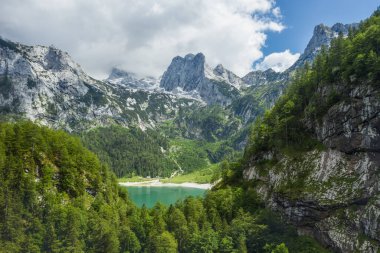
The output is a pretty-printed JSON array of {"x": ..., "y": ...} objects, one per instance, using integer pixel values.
[{"x": 332, "y": 193}]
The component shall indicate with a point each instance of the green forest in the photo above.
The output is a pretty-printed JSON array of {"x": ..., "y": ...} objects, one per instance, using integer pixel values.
[
  {"x": 131, "y": 151},
  {"x": 152, "y": 153},
  {"x": 56, "y": 196}
]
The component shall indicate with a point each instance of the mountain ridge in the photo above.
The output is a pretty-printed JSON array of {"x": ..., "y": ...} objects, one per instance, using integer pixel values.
[
  {"x": 50, "y": 71},
  {"x": 45, "y": 84},
  {"x": 191, "y": 100}
]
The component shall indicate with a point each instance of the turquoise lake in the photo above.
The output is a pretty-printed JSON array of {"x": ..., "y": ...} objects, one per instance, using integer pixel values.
[{"x": 150, "y": 195}]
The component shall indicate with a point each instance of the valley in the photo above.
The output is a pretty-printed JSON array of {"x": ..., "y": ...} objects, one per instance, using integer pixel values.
[{"x": 198, "y": 159}]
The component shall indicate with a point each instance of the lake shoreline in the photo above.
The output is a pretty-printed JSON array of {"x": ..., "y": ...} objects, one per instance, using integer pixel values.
[{"x": 158, "y": 183}]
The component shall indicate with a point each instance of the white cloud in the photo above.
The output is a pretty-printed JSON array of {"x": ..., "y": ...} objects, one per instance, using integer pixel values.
[
  {"x": 277, "y": 12},
  {"x": 143, "y": 36},
  {"x": 278, "y": 61}
]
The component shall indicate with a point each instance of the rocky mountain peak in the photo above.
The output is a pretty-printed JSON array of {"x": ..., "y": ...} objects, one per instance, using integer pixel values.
[
  {"x": 270, "y": 71},
  {"x": 190, "y": 56},
  {"x": 228, "y": 76},
  {"x": 198, "y": 58},
  {"x": 219, "y": 69},
  {"x": 184, "y": 72},
  {"x": 322, "y": 35},
  {"x": 119, "y": 73},
  {"x": 342, "y": 28},
  {"x": 131, "y": 80},
  {"x": 192, "y": 76},
  {"x": 259, "y": 77},
  {"x": 47, "y": 64}
]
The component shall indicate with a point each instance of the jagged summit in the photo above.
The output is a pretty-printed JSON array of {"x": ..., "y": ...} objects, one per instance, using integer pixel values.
[
  {"x": 344, "y": 28},
  {"x": 131, "y": 80},
  {"x": 184, "y": 72},
  {"x": 322, "y": 35},
  {"x": 191, "y": 74},
  {"x": 260, "y": 77},
  {"x": 226, "y": 74},
  {"x": 119, "y": 73},
  {"x": 191, "y": 56},
  {"x": 47, "y": 64},
  {"x": 219, "y": 69}
]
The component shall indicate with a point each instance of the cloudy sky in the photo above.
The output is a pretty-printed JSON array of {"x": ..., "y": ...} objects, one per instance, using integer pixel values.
[{"x": 143, "y": 36}]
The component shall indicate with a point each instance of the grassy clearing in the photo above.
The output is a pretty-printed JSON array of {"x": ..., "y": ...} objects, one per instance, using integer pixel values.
[
  {"x": 203, "y": 176},
  {"x": 134, "y": 179}
]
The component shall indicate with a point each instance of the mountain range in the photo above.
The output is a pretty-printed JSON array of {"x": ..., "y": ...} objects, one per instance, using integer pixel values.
[{"x": 44, "y": 84}]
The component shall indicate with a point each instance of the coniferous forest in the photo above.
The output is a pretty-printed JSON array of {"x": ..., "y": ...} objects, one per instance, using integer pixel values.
[{"x": 56, "y": 196}]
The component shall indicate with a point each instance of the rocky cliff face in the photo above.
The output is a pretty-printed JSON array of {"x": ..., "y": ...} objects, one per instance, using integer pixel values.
[
  {"x": 191, "y": 75},
  {"x": 44, "y": 84},
  {"x": 333, "y": 193}
]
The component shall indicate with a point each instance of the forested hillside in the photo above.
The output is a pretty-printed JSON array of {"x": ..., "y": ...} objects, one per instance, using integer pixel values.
[
  {"x": 314, "y": 157},
  {"x": 347, "y": 64},
  {"x": 131, "y": 151},
  {"x": 56, "y": 196}
]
